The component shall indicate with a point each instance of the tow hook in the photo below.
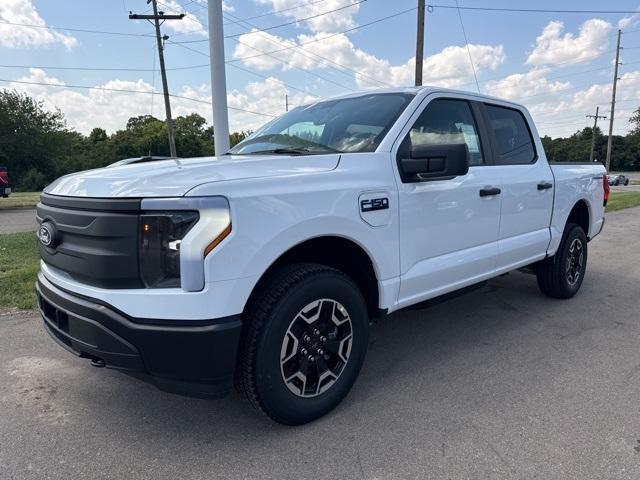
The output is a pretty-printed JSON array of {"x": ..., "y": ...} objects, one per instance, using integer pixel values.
[{"x": 97, "y": 362}]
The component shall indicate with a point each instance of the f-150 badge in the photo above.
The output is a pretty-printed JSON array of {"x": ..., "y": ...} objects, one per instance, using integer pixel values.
[{"x": 371, "y": 204}]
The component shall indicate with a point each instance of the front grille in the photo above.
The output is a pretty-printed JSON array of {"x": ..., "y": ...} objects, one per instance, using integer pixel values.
[{"x": 96, "y": 239}]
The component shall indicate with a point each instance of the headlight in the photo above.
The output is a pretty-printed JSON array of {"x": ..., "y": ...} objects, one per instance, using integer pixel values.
[
  {"x": 176, "y": 236},
  {"x": 160, "y": 241}
]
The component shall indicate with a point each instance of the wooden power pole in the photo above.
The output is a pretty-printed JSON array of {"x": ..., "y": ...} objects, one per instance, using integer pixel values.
[
  {"x": 420, "y": 43},
  {"x": 593, "y": 132},
  {"x": 159, "y": 18},
  {"x": 613, "y": 103}
]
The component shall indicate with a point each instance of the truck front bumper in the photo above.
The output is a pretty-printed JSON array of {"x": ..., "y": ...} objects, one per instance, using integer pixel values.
[{"x": 195, "y": 358}]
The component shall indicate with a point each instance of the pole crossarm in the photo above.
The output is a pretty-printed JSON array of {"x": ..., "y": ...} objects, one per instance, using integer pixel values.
[
  {"x": 157, "y": 18},
  {"x": 160, "y": 16}
]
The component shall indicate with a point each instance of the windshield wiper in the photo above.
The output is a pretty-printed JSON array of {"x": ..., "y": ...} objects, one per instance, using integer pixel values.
[{"x": 295, "y": 151}]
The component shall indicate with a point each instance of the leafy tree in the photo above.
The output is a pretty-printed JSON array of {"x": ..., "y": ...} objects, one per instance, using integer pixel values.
[
  {"x": 98, "y": 135},
  {"x": 635, "y": 121},
  {"x": 29, "y": 137}
]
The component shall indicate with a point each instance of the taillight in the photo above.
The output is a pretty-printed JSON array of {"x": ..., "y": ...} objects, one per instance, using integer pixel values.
[{"x": 605, "y": 185}]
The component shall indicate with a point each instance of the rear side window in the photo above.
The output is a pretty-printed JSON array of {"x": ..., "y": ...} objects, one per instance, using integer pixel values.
[{"x": 514, "y": 144}]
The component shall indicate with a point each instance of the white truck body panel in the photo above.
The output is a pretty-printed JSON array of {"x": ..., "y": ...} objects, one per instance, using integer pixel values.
[{"x": 435, "y": 237}]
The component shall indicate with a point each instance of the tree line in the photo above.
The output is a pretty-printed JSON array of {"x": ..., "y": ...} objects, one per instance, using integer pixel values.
[{"x": 37, "y": 146}]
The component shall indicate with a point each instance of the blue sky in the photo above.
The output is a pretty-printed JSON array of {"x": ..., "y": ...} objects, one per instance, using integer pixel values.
[{"x": 558, "y": 64}]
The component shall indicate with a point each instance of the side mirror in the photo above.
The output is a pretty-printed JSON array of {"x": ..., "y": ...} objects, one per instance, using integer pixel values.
[{"x": 434, "y": 162}]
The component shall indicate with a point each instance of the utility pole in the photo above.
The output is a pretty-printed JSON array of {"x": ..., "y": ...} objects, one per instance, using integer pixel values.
[
  {"x": 286, "y": 102},
  {"x": 613, "y": 103},
  {"x": 420, "y": 43},
  {"x": 218, "y": 79},
  {"x": 157, "y": 17},
  {"x": 593, "y": 132}
]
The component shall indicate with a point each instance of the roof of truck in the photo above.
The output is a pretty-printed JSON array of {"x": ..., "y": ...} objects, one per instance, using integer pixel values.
[{"x": 425, "y": 89}]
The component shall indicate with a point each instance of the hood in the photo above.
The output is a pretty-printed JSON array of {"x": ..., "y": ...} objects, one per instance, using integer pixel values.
[{"x": 174, "y": 178}]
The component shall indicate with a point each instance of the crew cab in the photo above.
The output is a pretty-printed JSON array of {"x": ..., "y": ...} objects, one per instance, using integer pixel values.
[
  {"x": 266, "y": 265},
  {"x": 5, "y": 189}
]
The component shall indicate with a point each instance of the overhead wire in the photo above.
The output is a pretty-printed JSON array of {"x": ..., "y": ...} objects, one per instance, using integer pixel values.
[
  {"x": 464, "y": 33},
  {"x": 123, "y": 90}
]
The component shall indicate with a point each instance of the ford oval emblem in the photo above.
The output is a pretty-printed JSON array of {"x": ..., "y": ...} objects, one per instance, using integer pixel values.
[{"x": 47, "y": 235}]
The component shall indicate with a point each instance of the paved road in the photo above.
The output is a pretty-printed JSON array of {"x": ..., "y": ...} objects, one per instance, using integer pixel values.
[
  {"x": 17, "y": 220},
  {"x": 500, "y": 383}
]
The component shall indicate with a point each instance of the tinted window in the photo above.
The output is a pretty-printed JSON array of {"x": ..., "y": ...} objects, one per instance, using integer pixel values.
[
  {"x": 447, "y": 122},
  {"x": 353, "y": 124},
  {"x": 514, "y": 145}
]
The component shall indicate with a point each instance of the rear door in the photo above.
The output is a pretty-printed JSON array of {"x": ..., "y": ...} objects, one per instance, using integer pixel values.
[
  {"x": 526, "y": 184},
  {"x": 448, "y": 228}
]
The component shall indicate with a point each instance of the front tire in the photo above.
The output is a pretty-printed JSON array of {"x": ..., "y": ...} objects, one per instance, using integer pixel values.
[
  {"x": 561, "y": 276},
  {"x": 305, "y": 339}
]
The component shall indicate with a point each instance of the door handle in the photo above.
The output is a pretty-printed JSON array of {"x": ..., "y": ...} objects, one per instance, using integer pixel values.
[
  {"x": 489, "y": 191},
  {"x": 545, "y": 185}
]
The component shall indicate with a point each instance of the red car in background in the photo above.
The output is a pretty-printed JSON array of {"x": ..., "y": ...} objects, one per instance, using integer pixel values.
[{"x": 5, "y": 190}]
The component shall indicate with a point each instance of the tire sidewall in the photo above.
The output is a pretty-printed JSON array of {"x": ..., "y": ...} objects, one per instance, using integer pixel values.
[
  {"x": 573, "y": 232},
  {"x": 283, "y": 404}
]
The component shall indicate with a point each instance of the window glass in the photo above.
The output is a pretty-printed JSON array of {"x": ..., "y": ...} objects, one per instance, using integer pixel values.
[
  {"x": 514, "y": 144},
  {"x": 446, "y": 122}
]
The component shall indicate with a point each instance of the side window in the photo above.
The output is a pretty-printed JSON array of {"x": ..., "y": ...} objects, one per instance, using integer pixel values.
[
  {"x": 514, "y": 145},
  {"x": 446, "y": 122}
]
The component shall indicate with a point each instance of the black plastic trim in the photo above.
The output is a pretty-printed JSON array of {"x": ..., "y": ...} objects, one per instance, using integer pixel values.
[
  {"x": 192, "y": 360},
  {"x": 120, "y": 205}
]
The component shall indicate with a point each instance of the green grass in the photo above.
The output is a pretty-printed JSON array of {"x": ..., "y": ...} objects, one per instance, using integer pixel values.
[
  {"x": 18, "y": 267},
  {"x": 20, "y": 200},
  {"x": 620, "y": 200}
]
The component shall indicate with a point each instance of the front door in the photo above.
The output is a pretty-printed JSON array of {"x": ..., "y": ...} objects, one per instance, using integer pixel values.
[{"x": 448, "y": 229}]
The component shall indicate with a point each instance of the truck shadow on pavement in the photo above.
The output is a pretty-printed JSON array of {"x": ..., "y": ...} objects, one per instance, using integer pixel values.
[{"x": 455, "y": 347}]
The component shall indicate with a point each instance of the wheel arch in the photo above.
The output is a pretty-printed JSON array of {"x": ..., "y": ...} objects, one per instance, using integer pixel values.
[
  {"x": 580, "y": 214},
  {"x": 335, "y": 251}
]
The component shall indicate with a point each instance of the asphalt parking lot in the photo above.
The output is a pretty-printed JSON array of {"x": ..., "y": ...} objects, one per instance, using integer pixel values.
[
  {"x": 18, "y": 220},
  {"x": 499, "y": 383}
]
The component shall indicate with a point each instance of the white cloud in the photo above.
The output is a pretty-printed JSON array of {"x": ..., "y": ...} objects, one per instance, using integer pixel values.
[
  {"x": 110, "y": 110},
  {"x": 630, "y": 21},
  {"x": 450, "y": 67},
  {"x": 341, "y": 19},
  {"x": 190, "y": 23},
  {"x": 552, "y": 47},
  {"x": 531, "y": 83},
  {"x": 16, "y": 36}
]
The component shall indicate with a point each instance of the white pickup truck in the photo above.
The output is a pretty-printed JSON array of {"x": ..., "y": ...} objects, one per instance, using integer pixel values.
[{"x": 265, "y": 265}]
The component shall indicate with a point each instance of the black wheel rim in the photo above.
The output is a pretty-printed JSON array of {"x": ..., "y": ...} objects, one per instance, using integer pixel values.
[
  {"x": 575, "y": 261},
  {"x": 316, "y": 348}
]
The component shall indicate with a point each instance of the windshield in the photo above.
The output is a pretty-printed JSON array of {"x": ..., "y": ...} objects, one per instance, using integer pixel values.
[{"x": 356, "y": 124}]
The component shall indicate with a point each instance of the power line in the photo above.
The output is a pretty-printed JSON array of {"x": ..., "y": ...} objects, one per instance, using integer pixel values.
[
  {"x": 303, "y": 52},
  {"x": 275, "y": 12},
  {"x": 533, "y": 10},
  {"x": 100, "y": 69},
  {"x": 123, "y": 90},
  {"x": 322, "y": 39},
  {"x": 81, "y": 30},
  {"x": 464, "y": 33},
  {"x": 307, "y": 54},
  {"x": 273, "y": 27},
  {"x": 308, "y": 72},
  {"x": 240, "y": 68}
]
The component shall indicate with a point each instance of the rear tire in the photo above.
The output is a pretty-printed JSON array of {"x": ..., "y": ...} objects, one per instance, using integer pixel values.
[
  {"x": 304, "y": 341},
  {"x": 561, "y": 276}
]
